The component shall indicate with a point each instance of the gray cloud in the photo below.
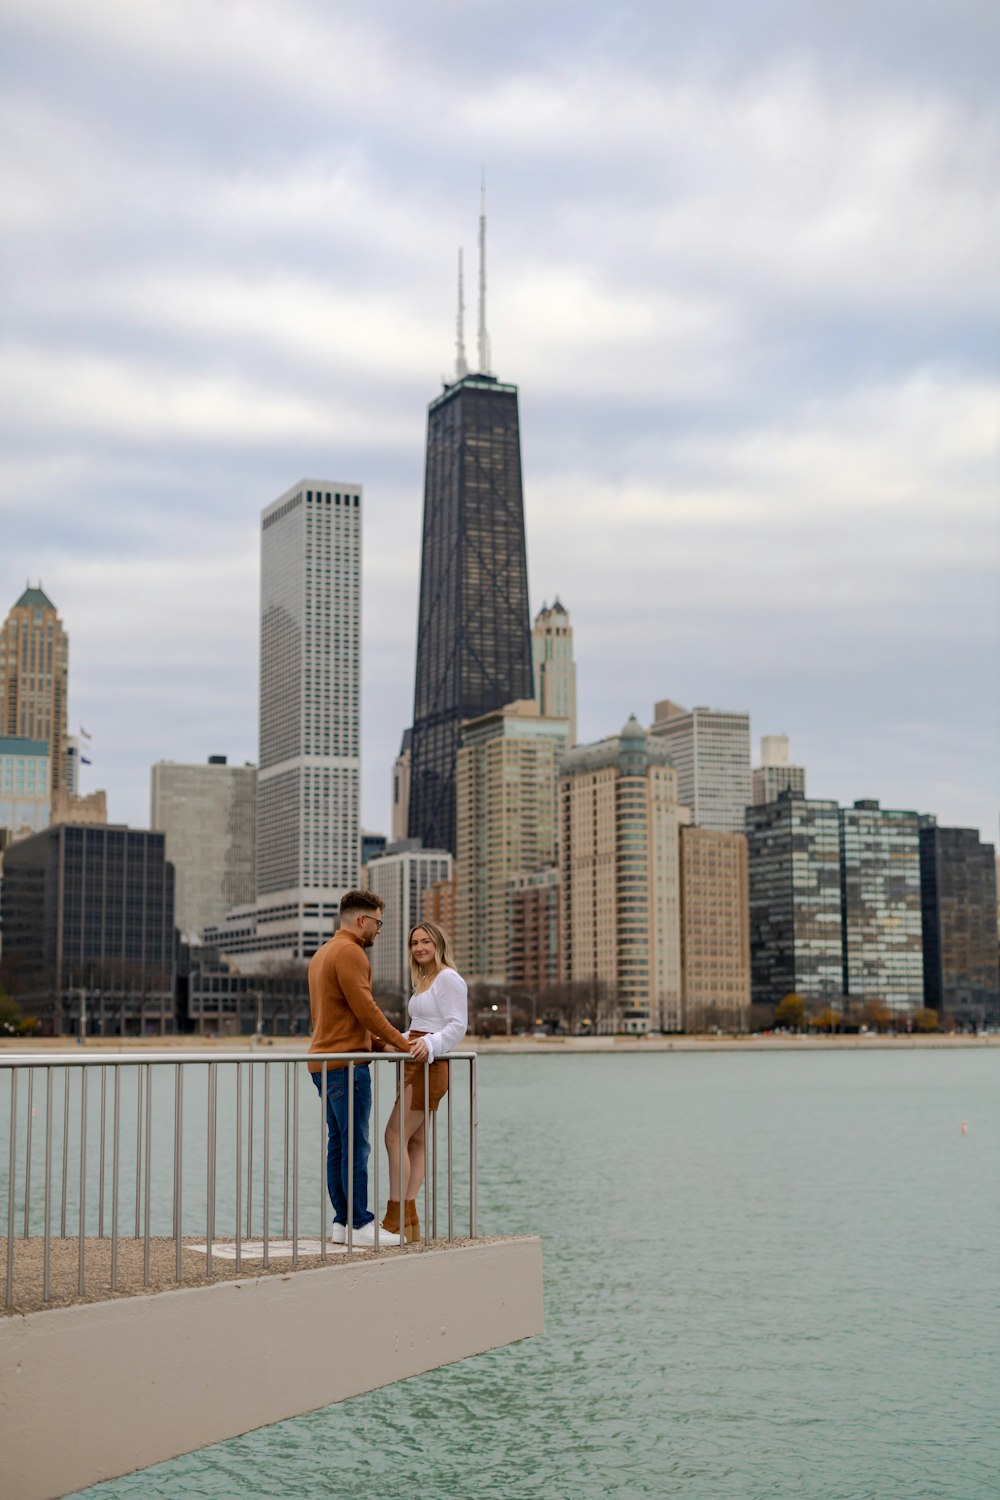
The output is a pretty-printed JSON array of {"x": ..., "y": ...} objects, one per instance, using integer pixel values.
[{"x": 742, "y": 267}]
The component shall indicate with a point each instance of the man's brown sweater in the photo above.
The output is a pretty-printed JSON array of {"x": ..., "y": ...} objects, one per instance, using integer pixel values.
[{"x": 345, "y": 1018}]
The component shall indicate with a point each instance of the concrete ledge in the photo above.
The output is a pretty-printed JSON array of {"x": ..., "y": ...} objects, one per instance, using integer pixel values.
[{"x": 91, "y": 1392}]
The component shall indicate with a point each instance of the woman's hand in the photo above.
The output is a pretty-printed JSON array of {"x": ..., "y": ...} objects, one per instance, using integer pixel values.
[{"x": 418, "y": 1050}]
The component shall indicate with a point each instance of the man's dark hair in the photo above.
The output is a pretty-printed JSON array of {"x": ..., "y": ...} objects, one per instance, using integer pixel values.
[{"x": 358, "y": 901}]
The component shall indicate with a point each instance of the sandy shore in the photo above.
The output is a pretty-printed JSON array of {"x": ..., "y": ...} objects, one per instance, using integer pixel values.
[{"x": 538, "y": 1046}]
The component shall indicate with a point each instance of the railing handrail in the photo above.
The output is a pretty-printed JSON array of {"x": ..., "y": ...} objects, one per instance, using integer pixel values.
[
  {"x": 255, "y": 1119},
  {"x": 109, "y": 1059}
]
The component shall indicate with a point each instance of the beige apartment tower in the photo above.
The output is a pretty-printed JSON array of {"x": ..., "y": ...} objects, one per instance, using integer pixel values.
[
  {"x": 554, "y": 667},
  {"x": 619, "y": 869},
  {"x": 34, "y": 676},
  {"x": 715, "y": 929},
  {"x": 506, "y": 778}
]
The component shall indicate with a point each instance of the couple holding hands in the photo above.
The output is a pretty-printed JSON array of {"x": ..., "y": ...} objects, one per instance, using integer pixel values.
[{"x": 345, "y": 1018}]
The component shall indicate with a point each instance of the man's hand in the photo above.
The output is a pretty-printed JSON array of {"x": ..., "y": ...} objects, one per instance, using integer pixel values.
[{"x": 418, "y": 1050}]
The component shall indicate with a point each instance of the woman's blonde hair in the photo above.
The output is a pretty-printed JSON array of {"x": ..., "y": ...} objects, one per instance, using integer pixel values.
[{"x": 442, "y": 948}]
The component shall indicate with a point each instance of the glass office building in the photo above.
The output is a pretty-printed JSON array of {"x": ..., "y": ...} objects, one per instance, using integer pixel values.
[
  {"x": 959, "y": 899},
  {"x": 795, "y": 901},
  {"x": 880, "y": 903},
  {"x": 88, "y": 921}
]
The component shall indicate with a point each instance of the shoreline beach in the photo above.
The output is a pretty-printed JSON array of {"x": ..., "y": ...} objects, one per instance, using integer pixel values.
[{"x": 520, "y": 1045}]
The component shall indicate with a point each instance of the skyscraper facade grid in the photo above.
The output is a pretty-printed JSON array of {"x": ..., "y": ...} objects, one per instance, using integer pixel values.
[
  {"x": 710, "y": 749},
  {"x": 880, "y": 900},
  {"x": 958, "y": 900},
  {"x": 795, "y": 899},
  {"x": 208, "y": 815},
  {"x": 619, "y": 875},
  {"x": 473, "y": 628},
  {"x": 308, "y": 781}
]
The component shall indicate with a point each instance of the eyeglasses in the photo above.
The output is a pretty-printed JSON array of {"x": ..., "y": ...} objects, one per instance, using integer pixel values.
[{"x": 378, "y": 923}]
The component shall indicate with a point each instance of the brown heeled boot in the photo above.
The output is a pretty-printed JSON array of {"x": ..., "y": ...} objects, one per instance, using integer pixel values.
[
  {"x": 411, "y": 1222},
  {"x": 391, "y": 1221}
]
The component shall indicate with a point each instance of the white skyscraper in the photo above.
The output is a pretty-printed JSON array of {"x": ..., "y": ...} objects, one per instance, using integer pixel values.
[
  {"x": 710, "y": 749},
  {"x": 308, "y": 779}
]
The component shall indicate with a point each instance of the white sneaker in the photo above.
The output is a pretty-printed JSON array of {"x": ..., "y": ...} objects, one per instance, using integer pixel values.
[
  {"x": 338, "y": 1234},
  {"x": 365, "y": 1238},
  {"x": 389, "y": 1239}
]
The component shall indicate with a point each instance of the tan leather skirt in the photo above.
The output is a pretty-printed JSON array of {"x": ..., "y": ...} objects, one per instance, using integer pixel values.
[{"x": 437, "y": 1080}]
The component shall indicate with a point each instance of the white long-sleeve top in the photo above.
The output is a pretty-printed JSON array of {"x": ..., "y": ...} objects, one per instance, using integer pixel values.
[{"x": 442, "y": 1011}]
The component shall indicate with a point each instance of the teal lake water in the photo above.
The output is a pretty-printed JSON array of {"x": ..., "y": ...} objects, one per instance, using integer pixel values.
[{"x": 765, "y": 1276}]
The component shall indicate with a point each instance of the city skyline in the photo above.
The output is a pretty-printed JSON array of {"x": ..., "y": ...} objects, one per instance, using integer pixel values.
[{"x": 746, "y": 302}]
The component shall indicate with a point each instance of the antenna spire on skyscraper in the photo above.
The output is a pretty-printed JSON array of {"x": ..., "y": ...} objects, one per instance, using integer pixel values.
[
  {"x": 461, "y": 363},
  {"x": 483, "y": 336}
]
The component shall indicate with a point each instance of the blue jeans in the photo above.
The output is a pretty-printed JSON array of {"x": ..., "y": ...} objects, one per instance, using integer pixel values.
[{"x": 337, "y": 1164}]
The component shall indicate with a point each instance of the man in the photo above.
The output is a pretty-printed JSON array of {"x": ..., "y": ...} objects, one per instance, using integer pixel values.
[{"x": 345, "y": 1018}]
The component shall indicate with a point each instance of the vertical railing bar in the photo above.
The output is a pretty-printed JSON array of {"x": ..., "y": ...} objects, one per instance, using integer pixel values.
[
  {"x": 451, "y": 1174},
  {"x": 65, "y": 1153},
  {"x": 401, "y": 1100},
  {"x": 377, "y": 1154},
  {"x": 81, "y": 1280},
  {"x": 427, "y": 1137},
  {"x": 295, "y": 1169},
  {"x": 239, "y": 1164},
  {"x": 210, "y": 1168},
  {"x": 148, "y": 1176},
  {"x": 323, "y": 1151},
  {"x": 250, "y": 1070},
  {"x": 138, "y": 1150},
  {"x": 27, "y": 1149},
  {"x": 103, "y": 1172},
  {"x": 434, "y": 1179},
  {"x": 12, "y": 1170},
  {"x": 350, "y": 1158},
  {"x": 178, "y": 1169},
  {"x": 47, "y": 1244},
  {"x": 403, "y": 1166},
  {"x": 115, "y": 1167},
  {"x": 267, "y": 1162},
  {"x": 473, "y": 1127},
  {"x": 284, "y": 1209}
]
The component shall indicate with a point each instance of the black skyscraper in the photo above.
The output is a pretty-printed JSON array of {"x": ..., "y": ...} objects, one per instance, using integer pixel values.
[{"x": 473, "y": 630}]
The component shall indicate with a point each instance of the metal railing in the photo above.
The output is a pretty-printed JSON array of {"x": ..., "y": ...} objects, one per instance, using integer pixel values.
[{"x": 154, "y": 1161}]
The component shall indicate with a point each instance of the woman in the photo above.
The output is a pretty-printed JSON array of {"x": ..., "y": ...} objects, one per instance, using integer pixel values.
[{"x": 439, "y": 1018}]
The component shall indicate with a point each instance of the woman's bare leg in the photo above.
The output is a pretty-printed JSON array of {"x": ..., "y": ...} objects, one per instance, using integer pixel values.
[
  {"x": 392, "y": 1144},
  {"x": 416, "y": 1152}
]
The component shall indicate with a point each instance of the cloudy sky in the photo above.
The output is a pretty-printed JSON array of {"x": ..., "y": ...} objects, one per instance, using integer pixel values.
[{"x": 743, "y": 267}]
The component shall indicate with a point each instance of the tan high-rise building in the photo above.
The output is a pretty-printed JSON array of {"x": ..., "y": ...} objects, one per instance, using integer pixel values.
[
  {"x": 439, "y": 904},
  {"x": 715, "y": 929},
  {"x": 34, "y": 675},
  {"x": 506, "y": 776},
  {"x": 554, "y": 667},
  {"x": 619, "y": 866}
]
